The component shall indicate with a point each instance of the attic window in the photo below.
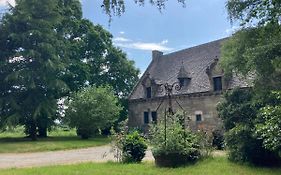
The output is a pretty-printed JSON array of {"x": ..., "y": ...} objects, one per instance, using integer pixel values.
[
  {"x": 148, "y": 92},
  {"x": 217, "y": 83},
  {"x": 183, "y": 81},
  {"x": 183, "y": 77}
]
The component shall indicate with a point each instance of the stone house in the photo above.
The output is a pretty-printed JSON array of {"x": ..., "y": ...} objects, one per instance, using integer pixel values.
[{"x": 200, "y": 78}]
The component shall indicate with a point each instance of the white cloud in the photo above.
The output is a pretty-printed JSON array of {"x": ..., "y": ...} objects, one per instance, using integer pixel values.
[
  {"x": 145, "y": 46},
  {"x": 5, "y": 2},
  {"x": 121, "y": 39},
  {"x": 131, "y": 44},
  {"x": 128, "y": 43},
  {"x": 121, "y": 32},
  {"x": 164, "y": 41}
]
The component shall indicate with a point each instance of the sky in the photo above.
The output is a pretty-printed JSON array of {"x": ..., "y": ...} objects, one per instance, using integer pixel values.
[{"x": 142, "y": 29}]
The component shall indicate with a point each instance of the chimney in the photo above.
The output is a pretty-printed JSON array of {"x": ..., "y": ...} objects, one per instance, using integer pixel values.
[{"x": 156, "y": 54}]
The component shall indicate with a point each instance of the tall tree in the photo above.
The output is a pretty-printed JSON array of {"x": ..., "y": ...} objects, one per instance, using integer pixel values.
[
  {"x": 256, "y": 49},
  {"x": 95, "y": 61},
  {"x": 48, "y": 53},
  {"x": 31, "y": 51}
]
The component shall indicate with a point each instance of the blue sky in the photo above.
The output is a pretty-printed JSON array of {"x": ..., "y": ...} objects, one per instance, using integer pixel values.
[{"x": 143, "y": 29}]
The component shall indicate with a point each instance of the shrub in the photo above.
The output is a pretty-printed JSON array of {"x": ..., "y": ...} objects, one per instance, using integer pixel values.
[
  {"x": 92, "y": 109},
  {"x": 134, "y": 147},
  {"x": 218, "y": 139},
  {"x": 239, "y": 113},
  {"x": 180, "y": 144},
  {"x": 245, "y": 147},
  {"x": 206, "y": 143},
  {"x": 268, "y": 126},
  {"x": 130, "y": 147}
]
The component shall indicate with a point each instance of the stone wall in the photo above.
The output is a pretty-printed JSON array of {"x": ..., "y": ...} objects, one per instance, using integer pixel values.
[{"x": 201, "y": 103}]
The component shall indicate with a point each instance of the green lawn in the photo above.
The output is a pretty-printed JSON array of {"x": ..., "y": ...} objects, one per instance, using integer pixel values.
[
  {"x": 15, "y": 142},
  {"x": 215, "y": 166}
]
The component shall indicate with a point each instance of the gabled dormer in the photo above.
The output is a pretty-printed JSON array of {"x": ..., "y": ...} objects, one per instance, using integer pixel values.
[
  {"x": 184, "y": 77},
  {"x": 149, "y": 86},
  {"x": 216, "y": 77}
]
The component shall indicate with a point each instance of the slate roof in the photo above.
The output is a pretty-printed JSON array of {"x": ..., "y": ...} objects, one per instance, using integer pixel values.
[
  {"x": 195, "y": 61},
  {"x": 183, "y": 73}
]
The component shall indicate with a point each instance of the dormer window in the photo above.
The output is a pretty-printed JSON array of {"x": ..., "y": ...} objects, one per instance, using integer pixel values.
[
  {"x": 148, "y": 92},
  {"x": 148, "y": 86},
  {"x": 183, "y": 81},
  {"x": 183, "y": 77},
  {"x": 217, "y": 83}
]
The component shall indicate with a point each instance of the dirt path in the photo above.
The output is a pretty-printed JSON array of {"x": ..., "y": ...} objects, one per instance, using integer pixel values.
[{"x": 94, "y": 154}]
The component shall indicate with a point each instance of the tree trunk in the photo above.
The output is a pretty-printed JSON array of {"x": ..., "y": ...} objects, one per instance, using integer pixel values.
[
  {"x": 33, "y": 131},
  {"x": 42, "y": 131}
]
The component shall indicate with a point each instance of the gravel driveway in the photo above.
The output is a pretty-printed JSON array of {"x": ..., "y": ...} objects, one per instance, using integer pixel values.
[{"x": 94, "y": 154}]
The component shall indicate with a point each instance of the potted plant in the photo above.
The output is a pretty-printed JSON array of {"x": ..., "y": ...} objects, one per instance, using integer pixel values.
[{"x": 172, "y": 144}]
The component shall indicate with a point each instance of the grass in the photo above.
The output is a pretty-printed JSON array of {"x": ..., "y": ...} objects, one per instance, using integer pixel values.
[
  {"x": 212, "y": 166},
  {"x": 15, "y": 142}
]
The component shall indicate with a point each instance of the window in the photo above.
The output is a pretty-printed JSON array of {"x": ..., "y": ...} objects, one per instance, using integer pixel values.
[
  {"x": 184, "y": 81},
  {"x": 217, "y": 84},
  {"x": 198, "y": 117},
  {"x": 181, "y": 81},
  {"x": 154, "y": 116},
  {"x": 146, "y": 117},
  {"x": 148, "y": 92}
]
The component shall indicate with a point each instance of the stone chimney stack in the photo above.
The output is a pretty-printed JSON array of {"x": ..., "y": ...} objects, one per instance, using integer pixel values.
[{"x": 156, "y": 54}]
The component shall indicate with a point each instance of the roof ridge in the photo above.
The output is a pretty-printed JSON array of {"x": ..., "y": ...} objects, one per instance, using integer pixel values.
[{"x": 194, "y": 47}]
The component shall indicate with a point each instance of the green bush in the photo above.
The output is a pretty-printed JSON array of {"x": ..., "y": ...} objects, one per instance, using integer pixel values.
[
  {"x": 218, "y": 139},
  {"x": 268, "y": 126},
  {"x": 92, "y": 109},
  {"x": 130, "y": 147},
  {"x": 239, "y": 113},
  {"x": 206, "y": 143},
  {"x": 245, "y": 147},
  {"x": 178, "y": 141},
  {"x": 134, "y": 147}
]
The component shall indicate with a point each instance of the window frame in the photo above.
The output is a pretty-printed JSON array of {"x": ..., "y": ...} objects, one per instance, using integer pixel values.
[
  {"x": 146, "y": 117},
  {"x": 154, "y": 116},
  {"x": 217, "y": 83},
  {"x": 148, "y": 92},
  {"x": 198, "y": 116}
]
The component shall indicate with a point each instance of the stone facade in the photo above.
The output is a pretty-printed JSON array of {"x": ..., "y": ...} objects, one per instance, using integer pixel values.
[{"x": 201, "y": 80}]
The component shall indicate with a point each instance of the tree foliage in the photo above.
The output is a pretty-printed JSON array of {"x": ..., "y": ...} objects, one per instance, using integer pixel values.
[
  {"x": 117, "y": 7},
  {"x": 237, "y": 107},
  {"x": 48, "y": 51},
  {"x": 239, "y": 112},
  {"x": 31, "y": 50},
  {"x": 257, "y": 12},
  {"x": 268, "y": 127},
  {"x": 94, "y": 60},
  {"x": 255, "y": 49},
  {"x": 92, "y": 109}
]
